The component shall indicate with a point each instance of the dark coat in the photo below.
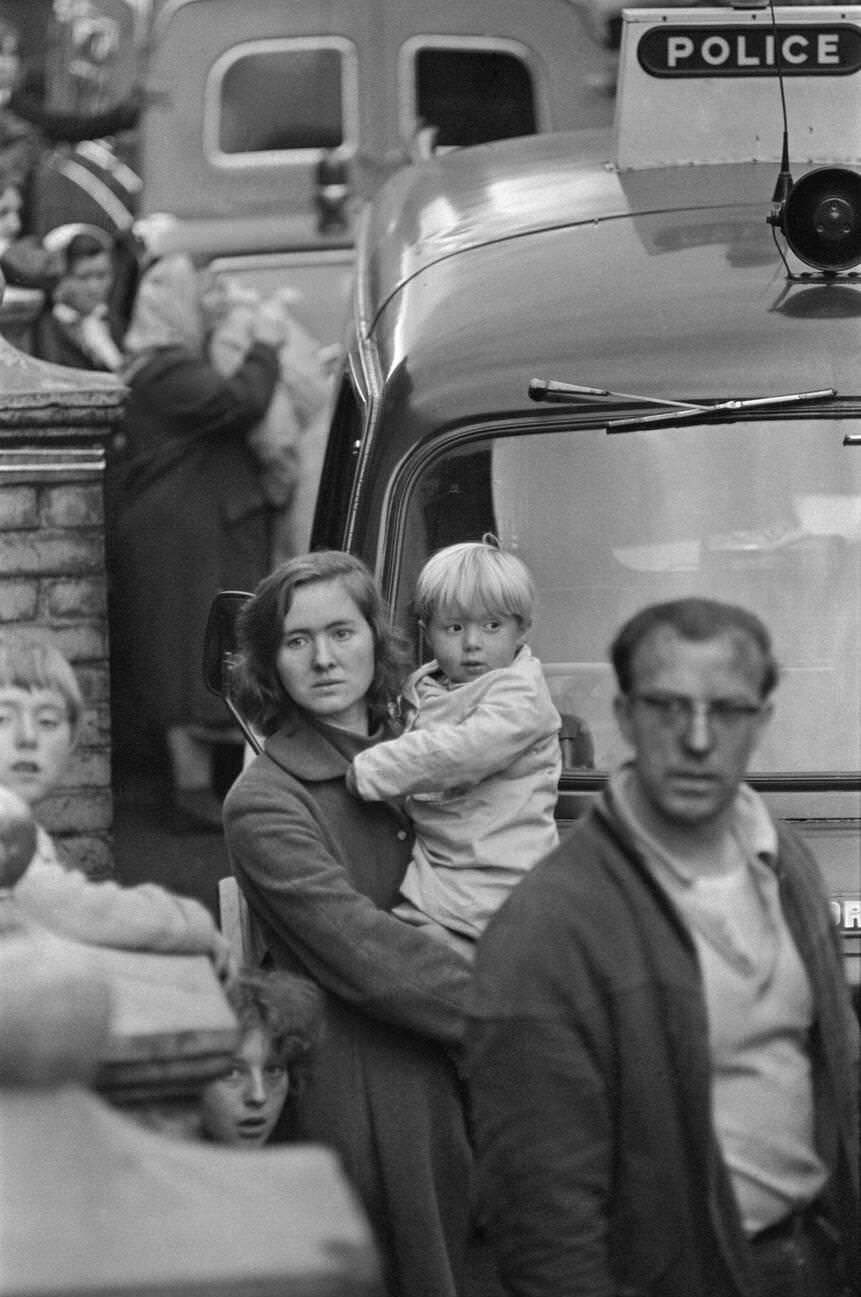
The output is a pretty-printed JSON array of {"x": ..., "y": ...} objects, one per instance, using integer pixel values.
[
  {"x": 589, "y": 1066},
  {"x": 319, "y": 870},
  {"x": 187, "y": 518}
]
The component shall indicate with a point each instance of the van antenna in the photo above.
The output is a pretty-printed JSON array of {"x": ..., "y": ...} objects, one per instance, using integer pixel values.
[{"x": 784, "y": 180}]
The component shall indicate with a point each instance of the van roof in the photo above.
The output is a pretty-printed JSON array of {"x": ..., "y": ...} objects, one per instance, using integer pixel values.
[{"x": 664, "y": 282}]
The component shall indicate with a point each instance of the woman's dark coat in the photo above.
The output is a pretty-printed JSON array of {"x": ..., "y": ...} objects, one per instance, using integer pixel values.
[
  {"x": 319, "y": 870},
  {"x": 187, "y": 518}
]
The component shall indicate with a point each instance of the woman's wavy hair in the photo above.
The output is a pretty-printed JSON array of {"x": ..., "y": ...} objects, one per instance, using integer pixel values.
[
  {"x": 255, "y": 684},
  {"x": 288, "y": 1009}
]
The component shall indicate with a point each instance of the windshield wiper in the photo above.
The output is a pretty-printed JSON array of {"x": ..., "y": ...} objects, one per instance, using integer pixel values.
[
  {"x": 542, "y": 389},
  {"x": 554, "y": 392},
  {"x": 720, "y": 407}
]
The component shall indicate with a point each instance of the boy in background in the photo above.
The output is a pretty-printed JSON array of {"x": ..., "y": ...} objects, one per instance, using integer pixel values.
[
  {"x": 40, "y": 713},
  {"x": 76, "y": 328}
]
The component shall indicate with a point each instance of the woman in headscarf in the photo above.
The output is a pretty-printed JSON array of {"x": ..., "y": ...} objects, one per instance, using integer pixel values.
[{"x": 187, "y": 517}]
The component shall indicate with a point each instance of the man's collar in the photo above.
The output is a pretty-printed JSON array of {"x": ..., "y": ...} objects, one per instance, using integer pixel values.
[{"x": 751, "y": 824}]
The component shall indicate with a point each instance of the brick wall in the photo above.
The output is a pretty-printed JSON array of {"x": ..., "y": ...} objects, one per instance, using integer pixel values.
[{"x": 54, "y": 425}]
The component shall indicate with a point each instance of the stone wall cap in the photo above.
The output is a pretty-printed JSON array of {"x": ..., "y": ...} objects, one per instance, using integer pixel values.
[
  {"x": 39, "y": 394},
  {"x": 24, "y": 376}
]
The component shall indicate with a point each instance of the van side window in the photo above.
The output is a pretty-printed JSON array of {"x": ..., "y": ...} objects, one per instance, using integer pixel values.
[
  {"x": 472, "y": 94},
  {"x": 275, "y": 96}
]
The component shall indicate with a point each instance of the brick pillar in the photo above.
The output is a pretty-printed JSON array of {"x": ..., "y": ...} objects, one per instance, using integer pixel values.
[{"x": 54, "y": 426}]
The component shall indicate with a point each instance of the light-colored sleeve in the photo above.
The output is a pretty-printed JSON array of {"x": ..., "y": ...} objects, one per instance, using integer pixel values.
[
  {"x": 294, "y": 880},
  {"x": 127, "y": 918},
  {"x": 511, "y": 714}
]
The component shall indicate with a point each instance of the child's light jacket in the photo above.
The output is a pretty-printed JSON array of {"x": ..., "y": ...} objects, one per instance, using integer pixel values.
[{"x": 479, "y": 766}]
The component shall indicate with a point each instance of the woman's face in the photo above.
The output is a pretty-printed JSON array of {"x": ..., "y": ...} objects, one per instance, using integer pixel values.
[
  {"x": 326, "y": 661},
  {"x": 242, "y": 1107}
]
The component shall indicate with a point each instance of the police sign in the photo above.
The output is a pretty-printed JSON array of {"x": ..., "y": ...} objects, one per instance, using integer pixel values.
[
  {"x": 750, "y": 51},
  {"x": 846, "y": 911}
]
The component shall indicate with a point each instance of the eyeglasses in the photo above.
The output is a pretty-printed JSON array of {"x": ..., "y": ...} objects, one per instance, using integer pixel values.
[{"x": 677, "y": 711}]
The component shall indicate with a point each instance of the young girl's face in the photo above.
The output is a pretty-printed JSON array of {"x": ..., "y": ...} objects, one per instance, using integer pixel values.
[
  {"x": 242, "y": 1107},
  {"x": 36, "y": 741},
  {"x": 468, "y": 644}
]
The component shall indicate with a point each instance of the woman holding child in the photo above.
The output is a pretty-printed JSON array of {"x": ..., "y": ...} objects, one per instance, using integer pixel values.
[{"x": 321, "y": 871}]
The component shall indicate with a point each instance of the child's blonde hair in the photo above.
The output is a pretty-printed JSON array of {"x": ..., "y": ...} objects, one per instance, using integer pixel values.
[
  {"x": 30, "y": 663},
  {"x": 475, "y": 575}
]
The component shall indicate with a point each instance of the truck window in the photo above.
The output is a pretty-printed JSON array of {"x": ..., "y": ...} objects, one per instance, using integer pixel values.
[
  {"x": 471, "y": 92},
  {"x": 281, "y": 95},
  {"x": 766, "y": 514}
]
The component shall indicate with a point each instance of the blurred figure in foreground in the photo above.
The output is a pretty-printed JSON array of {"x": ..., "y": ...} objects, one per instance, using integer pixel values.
[
  {"x": 188, "y": 517},
  {"x": 663, "y": 1060}
]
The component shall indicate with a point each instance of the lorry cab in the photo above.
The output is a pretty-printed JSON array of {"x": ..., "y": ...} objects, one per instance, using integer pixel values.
[{"x": 633, "y": 356}]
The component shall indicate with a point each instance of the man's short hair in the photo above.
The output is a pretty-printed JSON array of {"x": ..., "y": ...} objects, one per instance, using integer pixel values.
[{"x": 696, "y": 620}]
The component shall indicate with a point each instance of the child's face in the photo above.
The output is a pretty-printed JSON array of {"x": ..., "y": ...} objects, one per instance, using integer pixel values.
[
  {"x": 468, "y": 644},
  {"x": 36, "y": 741},
  {"x": 87, "y": 283},
  {"x": 242, "y": 1108}
]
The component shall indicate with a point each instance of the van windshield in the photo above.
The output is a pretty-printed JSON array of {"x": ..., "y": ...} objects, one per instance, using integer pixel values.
[{"x": 762, "y": 513}]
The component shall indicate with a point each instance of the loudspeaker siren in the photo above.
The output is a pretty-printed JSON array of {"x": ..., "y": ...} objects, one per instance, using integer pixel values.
[{"x": 821, "y": 218}]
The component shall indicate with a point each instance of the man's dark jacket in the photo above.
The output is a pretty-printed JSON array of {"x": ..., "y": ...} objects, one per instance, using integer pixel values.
[{"x": 588, "y": 1055}]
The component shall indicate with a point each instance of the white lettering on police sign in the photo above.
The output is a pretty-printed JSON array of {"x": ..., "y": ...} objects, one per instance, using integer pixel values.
[
  {"x": 670, "y": 50},
  {"x": 847, "y": 914}
]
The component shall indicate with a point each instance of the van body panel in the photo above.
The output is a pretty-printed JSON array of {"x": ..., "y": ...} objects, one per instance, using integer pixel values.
[{"x": 444, "y": 313}]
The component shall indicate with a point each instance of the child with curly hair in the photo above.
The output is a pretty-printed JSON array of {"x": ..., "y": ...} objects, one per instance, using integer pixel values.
[{"x": 280, "y": 1018}]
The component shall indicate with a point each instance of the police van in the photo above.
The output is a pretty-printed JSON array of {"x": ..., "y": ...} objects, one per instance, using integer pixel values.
[{"x": 635, "y": 357}]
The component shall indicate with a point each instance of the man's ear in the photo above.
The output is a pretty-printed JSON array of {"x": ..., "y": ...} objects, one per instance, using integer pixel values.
[
  {"x": 763, "y": 720},
  {"x": 622, "y": 712}
]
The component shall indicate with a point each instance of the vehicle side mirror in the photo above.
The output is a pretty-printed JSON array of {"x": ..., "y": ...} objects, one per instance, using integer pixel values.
[{"x": 219, "y": 654}]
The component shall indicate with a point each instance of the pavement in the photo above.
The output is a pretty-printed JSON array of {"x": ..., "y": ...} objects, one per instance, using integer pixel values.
[{"x": 146, "y": 848}]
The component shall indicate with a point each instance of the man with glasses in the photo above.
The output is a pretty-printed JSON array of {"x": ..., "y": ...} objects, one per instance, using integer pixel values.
[{"x": 663, "y": 1060}]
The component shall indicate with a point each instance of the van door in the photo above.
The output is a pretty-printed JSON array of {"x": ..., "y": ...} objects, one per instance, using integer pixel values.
[{"x": 243, "y": 99}]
